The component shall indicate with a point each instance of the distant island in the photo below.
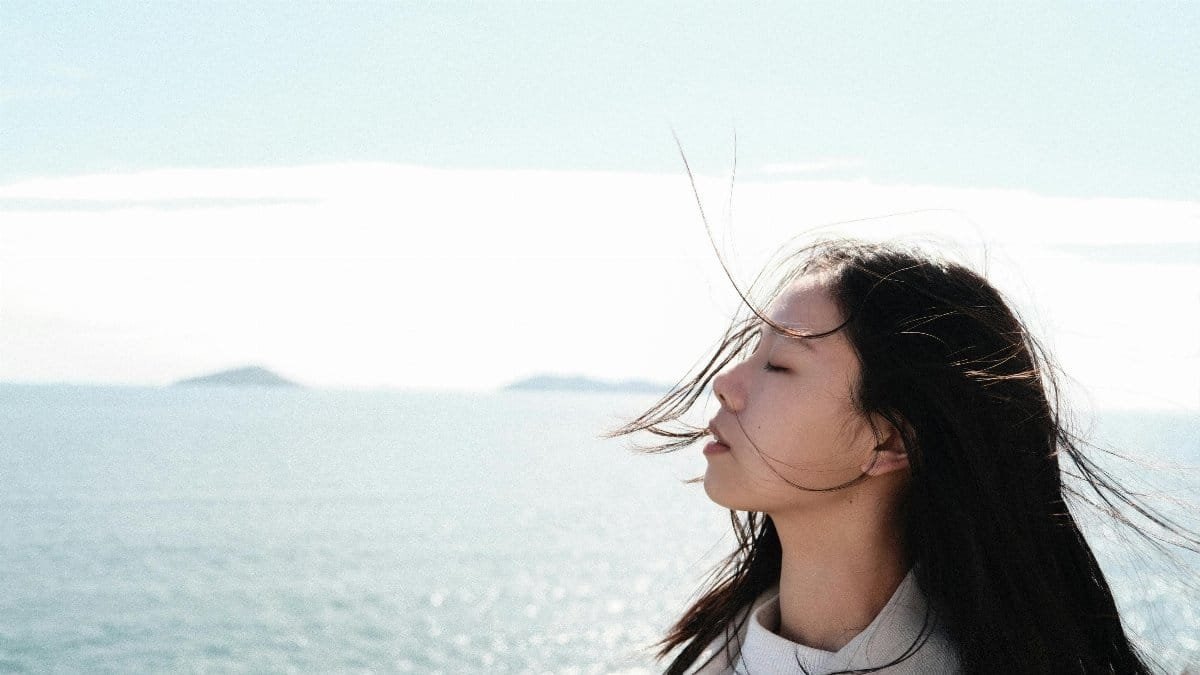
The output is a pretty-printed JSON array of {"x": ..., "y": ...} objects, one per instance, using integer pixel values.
[
  {"x": 580, "y": 383},
  {"x": 250, "y": 376}
]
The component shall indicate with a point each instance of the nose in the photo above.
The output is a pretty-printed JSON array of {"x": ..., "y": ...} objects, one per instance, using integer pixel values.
[{"x": 727, "y": 391}]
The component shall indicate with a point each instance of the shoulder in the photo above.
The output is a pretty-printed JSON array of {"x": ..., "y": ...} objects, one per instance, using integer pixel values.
[{"x": 720, "y": 655}]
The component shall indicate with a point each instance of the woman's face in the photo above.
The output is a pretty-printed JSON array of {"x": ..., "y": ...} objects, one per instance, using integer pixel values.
[{"x": 787, "y": 413}]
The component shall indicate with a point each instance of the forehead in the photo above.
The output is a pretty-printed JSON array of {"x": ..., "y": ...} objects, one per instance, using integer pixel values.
[{"x": 806, "y": 306}]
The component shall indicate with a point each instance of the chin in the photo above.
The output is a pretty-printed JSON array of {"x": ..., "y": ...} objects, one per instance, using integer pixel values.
[{"x": 722, "y": 494}]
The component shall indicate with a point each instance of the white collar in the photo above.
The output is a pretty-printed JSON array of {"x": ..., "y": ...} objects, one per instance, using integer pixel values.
[{"x": 894, "y": 632}]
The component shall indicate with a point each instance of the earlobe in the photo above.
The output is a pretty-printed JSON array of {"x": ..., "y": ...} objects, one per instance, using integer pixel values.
[
  {"x": 888, "y": 456},
  {"x": 886, "y": 461}
]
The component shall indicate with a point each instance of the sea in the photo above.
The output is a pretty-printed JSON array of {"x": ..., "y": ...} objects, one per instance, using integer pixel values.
[{"x": 211, "y": 529}]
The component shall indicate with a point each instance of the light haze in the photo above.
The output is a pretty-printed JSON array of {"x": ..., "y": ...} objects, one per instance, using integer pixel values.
[{"x": 456, "y": 196}]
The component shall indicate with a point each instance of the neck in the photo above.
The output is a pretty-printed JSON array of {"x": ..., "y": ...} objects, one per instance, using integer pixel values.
[{"x": 840, "y": 567}]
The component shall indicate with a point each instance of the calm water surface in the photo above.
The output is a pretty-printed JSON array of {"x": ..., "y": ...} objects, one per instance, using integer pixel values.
[{"x": 227, "y": 530}]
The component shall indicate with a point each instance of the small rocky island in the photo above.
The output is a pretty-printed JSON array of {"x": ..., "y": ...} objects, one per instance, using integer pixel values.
[
  {"x": 585, "y": 384},
  {"x": 250, "y": 376}
]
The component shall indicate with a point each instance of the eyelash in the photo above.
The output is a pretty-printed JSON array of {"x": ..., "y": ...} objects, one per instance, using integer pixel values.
[{"x": 769, "y": 367}]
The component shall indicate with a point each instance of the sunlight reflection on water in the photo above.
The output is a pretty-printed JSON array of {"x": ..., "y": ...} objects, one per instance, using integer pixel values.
[{"x": 167, "y": 529}]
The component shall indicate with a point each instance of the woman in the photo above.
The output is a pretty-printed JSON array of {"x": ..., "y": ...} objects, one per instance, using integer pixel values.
[{"x": 889, "y": 449}]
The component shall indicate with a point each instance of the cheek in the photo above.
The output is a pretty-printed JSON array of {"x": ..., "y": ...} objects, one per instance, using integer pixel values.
[{"x": 815, "y": 431}]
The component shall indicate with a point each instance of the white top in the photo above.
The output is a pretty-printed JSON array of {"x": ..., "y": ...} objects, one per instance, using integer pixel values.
[{"x": 887, "y": 638}]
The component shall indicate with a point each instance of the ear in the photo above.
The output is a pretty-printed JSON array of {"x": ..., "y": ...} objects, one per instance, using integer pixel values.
[{"x": 889, "y": 455}]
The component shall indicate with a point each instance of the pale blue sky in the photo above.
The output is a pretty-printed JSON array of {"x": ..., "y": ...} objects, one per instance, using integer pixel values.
[
  {"x": 330, "y": 190},
  {"x": 1064, "y": 98}
]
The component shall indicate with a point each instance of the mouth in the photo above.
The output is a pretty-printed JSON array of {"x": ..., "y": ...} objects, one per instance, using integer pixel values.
[{"x": 718, "y": 445}]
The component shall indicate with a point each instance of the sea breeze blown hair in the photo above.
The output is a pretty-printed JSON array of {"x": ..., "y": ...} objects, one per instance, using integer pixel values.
[{"x": 989, "y": 523}]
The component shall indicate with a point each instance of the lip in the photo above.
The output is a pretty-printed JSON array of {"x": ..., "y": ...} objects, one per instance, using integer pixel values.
[
  {"x": 715, "y": 448},
  {"x": 718, "y": 444}
]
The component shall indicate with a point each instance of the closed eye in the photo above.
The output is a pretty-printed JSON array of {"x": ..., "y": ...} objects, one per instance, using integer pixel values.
[{"x": 770, "y": 368}]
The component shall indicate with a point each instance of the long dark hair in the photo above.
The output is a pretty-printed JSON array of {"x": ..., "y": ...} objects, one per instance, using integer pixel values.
[{"x": 989, "y": 521}]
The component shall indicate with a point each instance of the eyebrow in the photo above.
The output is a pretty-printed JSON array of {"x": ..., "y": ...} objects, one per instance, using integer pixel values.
[{"x": 788, "y": 339}]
